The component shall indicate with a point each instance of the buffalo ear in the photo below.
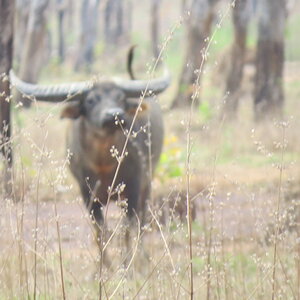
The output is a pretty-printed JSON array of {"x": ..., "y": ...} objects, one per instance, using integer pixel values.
[
  {"x": 71, "y": 111},
  {"x": 133, "y": 104}
]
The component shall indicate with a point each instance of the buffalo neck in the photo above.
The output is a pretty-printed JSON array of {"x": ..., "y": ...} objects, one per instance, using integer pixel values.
[{"x": 101, "y": 149}]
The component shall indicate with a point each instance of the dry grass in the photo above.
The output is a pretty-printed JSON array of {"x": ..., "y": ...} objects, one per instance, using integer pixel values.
[
  {"x": 244, "y": 184},
  {"x": 234, "y": 193}
]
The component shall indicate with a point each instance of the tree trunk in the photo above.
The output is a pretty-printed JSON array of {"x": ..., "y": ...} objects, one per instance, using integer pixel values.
[
  {"x": 198, "y": 28},
  {"x": 240, "y": 15},
  {"x": 6, "y": 57},
  {"x": 155, "y": 25},
  {"x": 89, "y": 21},
  {"x": 128, "y": 20},
  {"x": 61, "y": 9},
  {"x": 117, "y": 22},
  {"x": 34, "y": 45},
  {"x": 22, "y": 9},
  {"x": 70, "y": 14},
  {"x": 269, "y": 95}
]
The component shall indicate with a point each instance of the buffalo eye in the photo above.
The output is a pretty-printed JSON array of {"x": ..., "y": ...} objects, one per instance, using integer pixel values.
[
  {"x": 90, "y": 101},
  {"x": 119, "y": 96}
]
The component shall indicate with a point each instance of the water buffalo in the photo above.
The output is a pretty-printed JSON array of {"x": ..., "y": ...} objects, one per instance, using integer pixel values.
[{"x": 102, "y": 115}]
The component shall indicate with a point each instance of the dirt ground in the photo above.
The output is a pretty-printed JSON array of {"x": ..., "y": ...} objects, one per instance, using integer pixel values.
[{"x": 236, "y": 215}]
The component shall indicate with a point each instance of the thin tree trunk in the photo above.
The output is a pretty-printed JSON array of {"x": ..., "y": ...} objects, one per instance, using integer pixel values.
[
  {"x": 89, "y": 21},
  {"x": 120, "y": 20},
  {"x": 22, "y": 9},
  {"x": 128, "y": 20},
  {"x": 61, "y": 12},
  {"x": 240, "y": 15},
  {"x": 269, "y": 95},
  {"x": 6, "y": 57},
  {"x": 35, "y": 41},
  {"x": 107, "y": 21},
  {"x": 117, "y": 25},
  {"x": 155, "y": 25},
  {"x": 70, "y": 14},
  {"x": 198, "y": 28}
]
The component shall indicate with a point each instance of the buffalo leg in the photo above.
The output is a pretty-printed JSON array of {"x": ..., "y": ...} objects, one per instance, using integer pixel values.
[
  {"x": 132, "y": 192},
  {"x": 143, "y": 204},
  {"x": 94, "y": 207},
  {"x": 88, "y": 191}
]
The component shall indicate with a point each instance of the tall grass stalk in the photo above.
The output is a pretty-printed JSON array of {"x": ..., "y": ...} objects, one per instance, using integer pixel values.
[
  {"x": 164, "y": 240},
  {"x": 210, "y": 232},
  {"x": 37, "y": 219},
  {"x": 149, "y": 276},
  {"x": 189, "y": 204},
  {"x": 59, "y": 248},
  {"x": 298, "y": 267},
  {"x": 20, "y": 227},
  {"x": 195, "y": 95},
  {"x": 277, "y": 222}
]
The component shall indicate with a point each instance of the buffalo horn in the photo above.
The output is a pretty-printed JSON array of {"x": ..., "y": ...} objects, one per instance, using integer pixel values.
[
  {"x": 51, "y": 93},
  {"x": 76, "y": 90},
  {"x": 136, "y": 88}
]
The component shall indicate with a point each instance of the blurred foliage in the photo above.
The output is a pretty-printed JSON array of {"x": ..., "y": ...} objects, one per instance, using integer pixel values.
[
  {"x": 292, "y": 43},
  {"x": 205, "y": 111},
  {"x": 172, "y": 159}
]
